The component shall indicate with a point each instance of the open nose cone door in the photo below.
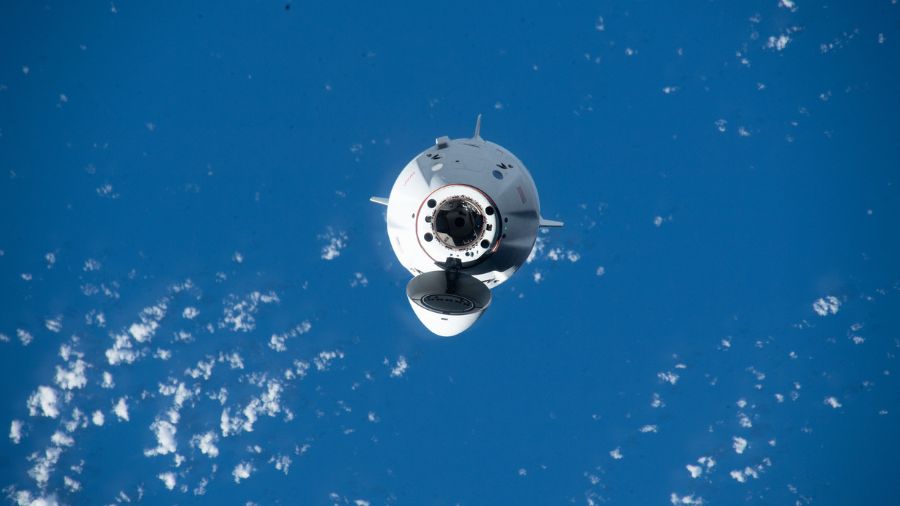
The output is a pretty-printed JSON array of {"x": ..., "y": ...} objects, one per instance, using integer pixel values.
[{"x": 447, "y": 302}]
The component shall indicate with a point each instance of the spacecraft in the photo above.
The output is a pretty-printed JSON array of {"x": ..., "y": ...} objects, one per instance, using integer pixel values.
[{"x": 462, "y": 217}]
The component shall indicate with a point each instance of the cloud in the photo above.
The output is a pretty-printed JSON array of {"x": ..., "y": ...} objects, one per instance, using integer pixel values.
[
  {"x": 108, "y": 380},
  {"x": 24, "y": 336},
  {"x": 239, "y": 313},
  {"x": 168, "y": 479},
  {"x": 324, "y": 358},
  {"x": 335, "y": 241},
  {"x": 242, "y": 471},
  {"x": 54, "y": 324},
  {"x": 72, "y": 378},
  {"x": 826, "y": 305},
  {"x": 62, "y": 439},
  {"x": 833, "y": 402},
  {"x": 44, "y": 402},
  {"x": 399, "y": 368},
  {"x": 739, "y": 444},
  {"x": 142, "y": 331},
  {"x": 277, "y": 341},
  {"x": 165, "y": 439},
  {"x": 206, "y": 443},
  {"x": 121, "y": 409},
  {"x": 15, "y": 431},
  {"x": 44, "y": 464},
  {"x": 691, "y": 500},
  {"x": 282, "y": 463},
  {"x": 778, "y": 43},
  {"x": 668, "y": 377}
]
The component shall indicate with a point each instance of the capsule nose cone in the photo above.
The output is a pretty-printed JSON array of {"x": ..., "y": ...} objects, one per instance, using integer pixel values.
[
  {"x": 445, "y": 325},
  {"x": 447, "y": 303}
]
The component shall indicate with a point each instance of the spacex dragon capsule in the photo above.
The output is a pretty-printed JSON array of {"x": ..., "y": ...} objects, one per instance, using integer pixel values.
[{"x": 462, "y": 217}]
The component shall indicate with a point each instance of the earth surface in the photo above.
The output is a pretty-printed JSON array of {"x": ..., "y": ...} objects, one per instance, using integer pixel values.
[{"x": 200, "y": 305}]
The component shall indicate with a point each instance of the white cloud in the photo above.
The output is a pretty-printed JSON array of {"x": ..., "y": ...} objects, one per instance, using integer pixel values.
[
  {"x": 62, "y": 439},
  {"x": 107, "y": 380},
  {"x": 359, "y": 279},
  {"x": 142, "y": 331},
  {"x": 44, "y": 402},
  {"x": 72, "y": 378},
  {"x": 668, "y": 377},
  {"x": 54, "y": 324},
  {"x": 739, "y": 444},
  {"x": 557, "y": 254},
  {"x": 121, "y": 409},
  {"x": 206, "y": 443},
  {"x": 833, "y": 402},
  {"x": 616, "y": 453},
  {"x": 168, "y": 479},
  {"x": 24, "y": 336},
  {"x": 15, "y": 431},
  {"x": 741, "y": 476},
  {"x": 826, "y": 305},
  {"x": 24, "y": 498},
  {"x": 399, "y": 368},
  {"x": 334, "y": 243},
  {"x": 695, "y": 471},
  {"x": 787, "y": 4},
  {"x": 44, "y": 464},
  {"x": 242, "y": 471},
  {"x": 271, "y": 398},
  {"x": 71, "y": 484},
  {"x": 165, "y": 438},
  {"x": 203, "y": 369},
  {"x": 282, "y": 463},
  {"x": 691, "y": 500},
  {"x": 778, "y": 43},
  {"x": 190, "y": 313},
  {"x": 98, "y": 418},
  {"x": 239, "y": 313},
  {"x": 324, "y": 358},
  {"x": 277, "y": 341},
  {"x": 649, "y": 428}
]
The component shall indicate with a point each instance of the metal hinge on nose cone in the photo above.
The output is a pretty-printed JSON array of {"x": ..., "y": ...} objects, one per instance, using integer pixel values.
[{"x": 442, "y": 142}]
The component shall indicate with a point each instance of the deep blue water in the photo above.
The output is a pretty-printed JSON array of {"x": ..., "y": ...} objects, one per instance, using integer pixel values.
[{"x": 726, "y": 164}]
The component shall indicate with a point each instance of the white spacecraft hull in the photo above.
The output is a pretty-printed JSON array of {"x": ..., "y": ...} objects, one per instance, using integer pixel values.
[{"x": 469, "y": 209}]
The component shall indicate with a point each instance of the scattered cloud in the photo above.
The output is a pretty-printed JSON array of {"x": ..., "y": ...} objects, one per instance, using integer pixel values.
[
  {"x": 43, "y": 402},
  {"x": 121, "y": 409},
  {"x": 242, "y": 471},
  {"x": 739, "y": 444},
  {"x": 826, "y": 305}
]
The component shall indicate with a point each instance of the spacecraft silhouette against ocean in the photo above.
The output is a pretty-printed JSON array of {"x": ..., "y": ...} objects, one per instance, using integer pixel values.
[{"x": 462, "y": 217}]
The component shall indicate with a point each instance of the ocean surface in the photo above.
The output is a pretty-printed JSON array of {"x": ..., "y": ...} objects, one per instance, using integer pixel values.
[{"x": 200, "y": 306}]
